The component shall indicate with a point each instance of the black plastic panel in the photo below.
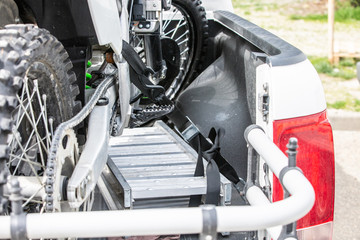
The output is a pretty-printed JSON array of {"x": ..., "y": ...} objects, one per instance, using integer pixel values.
[
  {"x": 280, "y": 53},
  {"x": 218, "y": 97},
  {"x": 68, "y": 20}
]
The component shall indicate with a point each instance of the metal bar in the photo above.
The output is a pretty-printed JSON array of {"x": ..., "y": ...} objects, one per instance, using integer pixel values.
[
  {"x": 183, "y": 220},
  {"x": 94, "y": 156},
  {"x": 124, "y": 186},
  {"x": 272, "y": 155},
  {"x": 169, "y": 221},
  {"x": 256, "y": 197},
  {"x": 331, "y": 20},
  {"x": 164, "y": 221}
]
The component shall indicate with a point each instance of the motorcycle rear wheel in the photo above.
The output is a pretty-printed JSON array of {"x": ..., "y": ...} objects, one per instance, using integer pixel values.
[{"x": 184, "y": 36}]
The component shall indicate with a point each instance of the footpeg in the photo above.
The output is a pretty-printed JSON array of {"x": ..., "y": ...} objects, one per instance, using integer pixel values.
[{"x": 142, "y": 116}]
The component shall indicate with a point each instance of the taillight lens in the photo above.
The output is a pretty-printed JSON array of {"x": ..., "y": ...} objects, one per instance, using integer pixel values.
[{"x": 315, "y": 158}]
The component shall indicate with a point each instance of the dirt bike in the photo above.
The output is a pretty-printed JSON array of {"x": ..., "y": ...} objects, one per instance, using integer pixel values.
[
  {"x": 50, "y": 89},
  {"x": 75, "y": 75}
]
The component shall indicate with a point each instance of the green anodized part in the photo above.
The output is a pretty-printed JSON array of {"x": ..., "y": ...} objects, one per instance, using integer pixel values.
[
  {"x": 87, "y": 87},
  {"x": 88, "y": 64},
  {"x": 88, "y": 76}
]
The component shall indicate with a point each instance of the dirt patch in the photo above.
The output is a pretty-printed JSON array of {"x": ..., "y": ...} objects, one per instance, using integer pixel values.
[{"x": 306, "y": 7}]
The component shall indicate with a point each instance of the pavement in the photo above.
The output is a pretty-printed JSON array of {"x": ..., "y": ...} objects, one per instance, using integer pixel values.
[
  {"x": 346, "y": 129},
  {"x": 344, "y": 120}
]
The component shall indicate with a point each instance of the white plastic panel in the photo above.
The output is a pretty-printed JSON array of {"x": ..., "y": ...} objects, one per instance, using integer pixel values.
[
  {"x": 106, "y": 20},
  {"x": 213, "y": 5},
  {"x": 295, "y": 91}
]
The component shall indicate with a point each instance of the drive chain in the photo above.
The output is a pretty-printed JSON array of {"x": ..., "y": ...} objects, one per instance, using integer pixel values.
[{"x": 60, "y": 131}]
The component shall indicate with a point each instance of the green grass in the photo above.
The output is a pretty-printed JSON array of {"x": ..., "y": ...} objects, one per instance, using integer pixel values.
[
  {"x": 344, "y": 14},
  {"x": 310, "y": 17},
  {"x": 348, "y": 62},
  {"x": 346, "y": 69},
  {"x": 256, "y": 5},
  {"x": 357, "y": 105},
  {"x": 347, "y": 14},
  {"x": 242, "y": 4},
  {"x": 350, "y": 103},
  {"x": 337, "y": 105}
]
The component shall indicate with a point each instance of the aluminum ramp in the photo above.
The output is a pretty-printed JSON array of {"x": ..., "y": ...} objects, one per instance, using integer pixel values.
[{"x": 155, "y": 168}]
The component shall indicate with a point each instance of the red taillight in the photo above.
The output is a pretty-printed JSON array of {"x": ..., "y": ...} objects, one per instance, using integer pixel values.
[{"x": 315, "y": 158}]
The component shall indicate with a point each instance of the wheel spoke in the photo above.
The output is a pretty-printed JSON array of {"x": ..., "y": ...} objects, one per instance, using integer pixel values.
[
  {"x": 16, "y": 157},
  {"x": 27, "y": 160},
  {"x": 174, "y": 29},
  {"x": 30, "y": 199},
  {"x": 24, "y": 108},
  {"x": 35, "y": 127},
  {"x": 177, "y": 27},
  {"x": 182, "y": 35},
  {"x": 185, "y": 51},
  {"x": 27, "y": 149},
  {"x": 20, "y": 115},
  {"x": 168, "y": 21},
  {"x": 21, "y": 101},
  {"x": 182, "y": 42},
  {"x": 33, "y": 122},
  {"x": 35, "y": 201},
  {"x": 51, "y": 123},
  {"x": 140, "y": 44},
  {"x": 44, "y": 118},
  {"x": 42, "y": 210}
]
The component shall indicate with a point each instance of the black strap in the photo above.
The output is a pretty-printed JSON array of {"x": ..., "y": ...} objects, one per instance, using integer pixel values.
[
  {"x": 182, "y": 122},
  {"x": 140, "y": 79},
  {"x": 195, "y": 200},
  {"x": 132, "y": 57},
  {"x": 224, "y": 167},
  {"x": 212, "y": 183},
  {"x": 215, "y": 135},
  {"x": 212, "y": 170}
]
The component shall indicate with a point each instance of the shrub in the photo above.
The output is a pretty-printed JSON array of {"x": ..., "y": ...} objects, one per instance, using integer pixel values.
[{"x": 355, "y": 3}]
